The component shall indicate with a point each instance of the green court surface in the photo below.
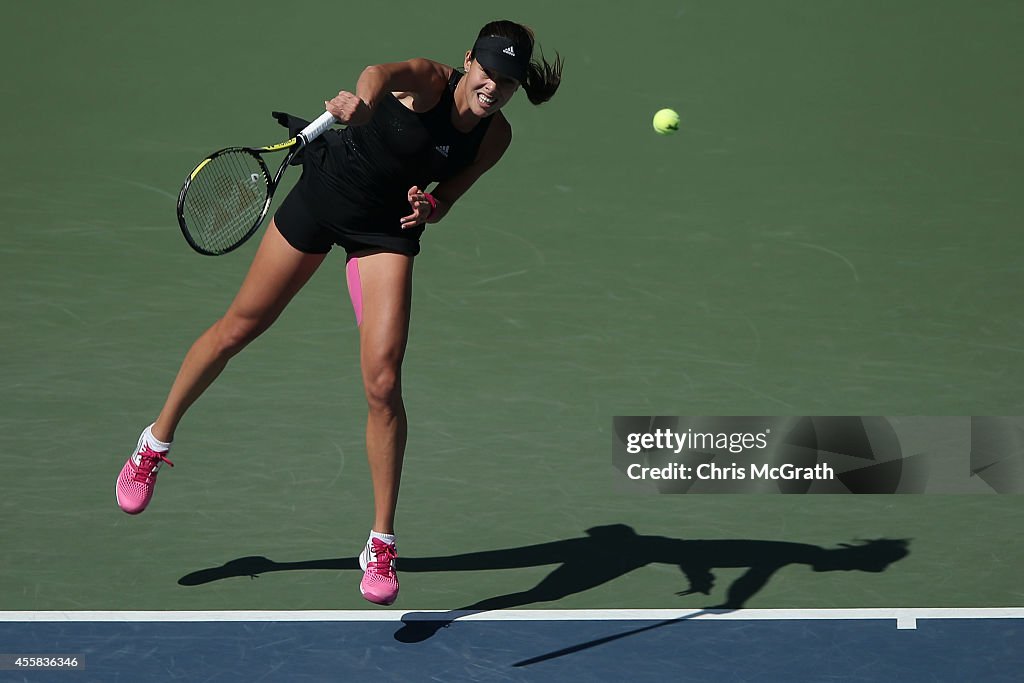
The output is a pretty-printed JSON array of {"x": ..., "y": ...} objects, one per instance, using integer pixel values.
[{"x": 833, "y": 231}]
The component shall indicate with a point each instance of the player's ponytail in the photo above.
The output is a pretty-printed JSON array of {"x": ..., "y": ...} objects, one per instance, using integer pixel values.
[{"x": 543, "y": 79}]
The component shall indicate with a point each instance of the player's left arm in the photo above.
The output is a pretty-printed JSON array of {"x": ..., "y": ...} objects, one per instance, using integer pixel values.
[{"x": 492, "y": 147}]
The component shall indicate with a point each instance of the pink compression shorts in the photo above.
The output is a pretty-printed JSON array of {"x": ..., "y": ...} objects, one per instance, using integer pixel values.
[{"x": 355, "y": 288}]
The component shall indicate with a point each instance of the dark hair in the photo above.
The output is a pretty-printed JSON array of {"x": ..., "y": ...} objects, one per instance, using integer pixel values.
[{"x": 542, "y": 77}]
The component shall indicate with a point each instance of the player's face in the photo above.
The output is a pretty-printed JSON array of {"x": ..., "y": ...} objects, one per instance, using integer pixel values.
[{"x": 487, "y": 90}]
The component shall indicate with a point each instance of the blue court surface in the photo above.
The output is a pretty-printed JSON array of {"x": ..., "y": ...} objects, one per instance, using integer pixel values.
[{"x": 524, "y": 645}]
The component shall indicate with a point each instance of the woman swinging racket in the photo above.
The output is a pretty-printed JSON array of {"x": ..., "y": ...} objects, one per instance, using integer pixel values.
[{"x": 409, "y": 124}]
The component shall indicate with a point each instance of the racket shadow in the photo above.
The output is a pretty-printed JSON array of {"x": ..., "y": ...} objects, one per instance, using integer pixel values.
[{"x": 255, "y": 565}]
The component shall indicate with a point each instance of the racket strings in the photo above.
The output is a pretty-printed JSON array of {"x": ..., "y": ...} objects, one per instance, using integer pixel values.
[{"x": 226, "y": 200}]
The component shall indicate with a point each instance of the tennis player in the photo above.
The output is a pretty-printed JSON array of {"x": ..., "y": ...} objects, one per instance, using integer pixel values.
[{"x": 364, "y": 188}]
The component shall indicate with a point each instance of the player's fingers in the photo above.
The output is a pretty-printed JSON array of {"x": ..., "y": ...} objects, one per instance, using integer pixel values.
[
  {"x": 418, "y": 199},
  {"x": 418, "y": 216},
  {"x": 345, "y": 107},
  {"x": 338, "y": 109}
]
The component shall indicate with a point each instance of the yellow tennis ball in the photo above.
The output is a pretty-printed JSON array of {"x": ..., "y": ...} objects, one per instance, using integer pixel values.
[{"x": 666, "y": 121}]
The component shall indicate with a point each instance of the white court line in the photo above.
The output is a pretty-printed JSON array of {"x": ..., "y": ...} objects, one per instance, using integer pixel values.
[{"x": 905, "y": 617}]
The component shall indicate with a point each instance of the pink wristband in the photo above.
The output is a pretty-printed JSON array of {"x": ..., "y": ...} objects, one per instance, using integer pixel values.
[{"x": 433, "y": 204}]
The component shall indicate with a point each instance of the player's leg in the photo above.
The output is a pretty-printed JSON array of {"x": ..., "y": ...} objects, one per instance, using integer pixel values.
[
  {"x": 277, "y": 273},
  {"x": 385, "y": 282}
]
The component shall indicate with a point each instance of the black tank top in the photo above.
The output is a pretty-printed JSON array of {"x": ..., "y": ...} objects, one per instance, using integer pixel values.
[{"x": 375, "y": 164}]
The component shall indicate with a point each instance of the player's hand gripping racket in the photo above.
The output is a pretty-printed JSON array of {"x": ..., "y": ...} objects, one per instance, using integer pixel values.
[{"x": 225, "y": 198}]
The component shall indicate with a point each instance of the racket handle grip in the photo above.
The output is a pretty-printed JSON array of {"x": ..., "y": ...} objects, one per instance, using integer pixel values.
[{"x": 317, "y": 128}]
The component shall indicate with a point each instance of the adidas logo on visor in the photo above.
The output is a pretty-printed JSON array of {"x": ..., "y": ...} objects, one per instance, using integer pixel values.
[{"x": 509, "y": 51}]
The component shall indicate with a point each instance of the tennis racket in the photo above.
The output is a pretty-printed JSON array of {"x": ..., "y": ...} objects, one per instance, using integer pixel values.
[{"x": 226, "y": 197}]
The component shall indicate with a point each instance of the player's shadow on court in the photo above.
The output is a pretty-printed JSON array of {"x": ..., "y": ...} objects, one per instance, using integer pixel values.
[
  {"x": 608, "y": 552},
  {"x": 604, "y": 554}
]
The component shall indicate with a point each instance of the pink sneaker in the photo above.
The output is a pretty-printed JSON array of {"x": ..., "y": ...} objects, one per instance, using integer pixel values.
[
  {"x": 138, "y": 478},
  {"x": 380, "y": 582}
]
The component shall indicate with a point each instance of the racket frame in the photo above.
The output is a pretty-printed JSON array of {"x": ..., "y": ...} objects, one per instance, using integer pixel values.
[{"x": 293, "y": 145}]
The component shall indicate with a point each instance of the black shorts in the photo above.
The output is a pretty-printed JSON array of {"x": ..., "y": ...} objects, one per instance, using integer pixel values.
[{"x": 314, "y": 217}]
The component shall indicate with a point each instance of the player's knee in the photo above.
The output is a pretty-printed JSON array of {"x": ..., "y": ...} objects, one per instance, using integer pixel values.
[
  {"x": 383, "y": 389},
  {"x": 234, "y": 333}
]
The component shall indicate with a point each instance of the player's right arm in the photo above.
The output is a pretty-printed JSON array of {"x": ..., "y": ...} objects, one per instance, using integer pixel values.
[{"x": 421, "y": 79}]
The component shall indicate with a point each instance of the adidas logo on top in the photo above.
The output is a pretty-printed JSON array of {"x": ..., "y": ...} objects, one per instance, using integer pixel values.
[
  {"x": 509, "y": 51},
  {"x": 443, "y": 149}
]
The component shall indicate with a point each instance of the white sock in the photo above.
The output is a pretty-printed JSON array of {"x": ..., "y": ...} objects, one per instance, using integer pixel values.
[
  {"x": 387, "y": 538},
  {"x": 155, "y": 443}
]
